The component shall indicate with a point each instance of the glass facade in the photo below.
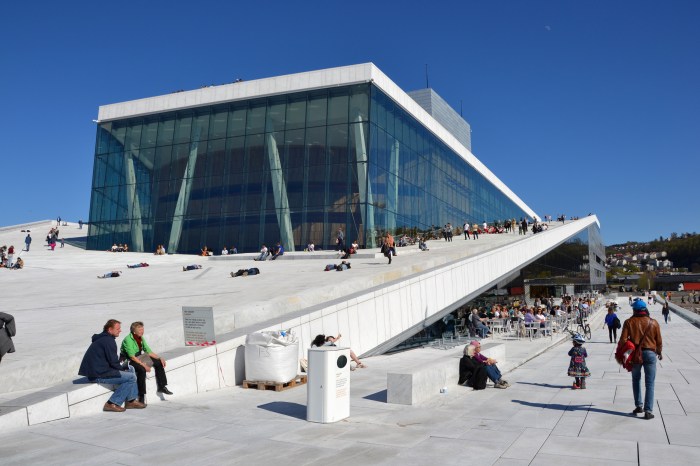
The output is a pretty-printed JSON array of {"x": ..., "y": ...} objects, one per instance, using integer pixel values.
[
  {"x": 575, "y": 266},
  {"x": 292, "y": 168}
]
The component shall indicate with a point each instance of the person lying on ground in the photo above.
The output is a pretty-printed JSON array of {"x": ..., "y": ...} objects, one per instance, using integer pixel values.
[
  {"x": 114, "y": 273},
  {"x": 136, "y": 266},
  {"x": 322, "y": 340},
  {"x": 191, "y": 267},
  {"x": 246, "y": 272},
  {"x": 340, "y": 267}
]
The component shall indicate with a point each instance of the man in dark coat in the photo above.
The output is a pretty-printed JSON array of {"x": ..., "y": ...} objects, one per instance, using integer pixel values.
[
  {"x": 101, "y": 365},
  {"x": 7, "y": 331}
]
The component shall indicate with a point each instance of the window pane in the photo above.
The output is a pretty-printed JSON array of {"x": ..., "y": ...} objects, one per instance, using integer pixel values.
[
  {"x": 183, "y": 129},
  {"x": 338, "y": 108},
  {"x": 217, "y": 126},
  {"x": 150, "y": 130},
  {"x": 296, "y": 114},
  {"x": 236, "y": 121},
  {"x": 256, "y": 119},
  {"x": 316, "y": 110},
  {"x": 166, "y": 130},
  {"x": 275, "y": 117}
]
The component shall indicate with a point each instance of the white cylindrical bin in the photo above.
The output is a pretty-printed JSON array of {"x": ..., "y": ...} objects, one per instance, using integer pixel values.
[{"x": 328, "y": 384}]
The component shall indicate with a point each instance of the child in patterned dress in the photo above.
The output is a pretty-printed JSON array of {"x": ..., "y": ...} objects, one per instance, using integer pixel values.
[{"x": 577, "y": 366}]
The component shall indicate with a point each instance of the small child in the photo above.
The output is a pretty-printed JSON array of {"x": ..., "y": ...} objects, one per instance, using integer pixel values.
[{"x": 577, "y": 366}]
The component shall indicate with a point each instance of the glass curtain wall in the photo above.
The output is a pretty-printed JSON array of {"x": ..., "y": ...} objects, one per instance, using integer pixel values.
[
  {"x": 572, "y": 267},
  {"x": 291, "y": 168},
  {"x": 418, "y": 183}
]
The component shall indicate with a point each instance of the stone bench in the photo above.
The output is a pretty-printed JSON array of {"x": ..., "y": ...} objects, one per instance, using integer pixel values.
[
  {"x": 420, "y": 383},
  {"x": 190, "y": 370}
]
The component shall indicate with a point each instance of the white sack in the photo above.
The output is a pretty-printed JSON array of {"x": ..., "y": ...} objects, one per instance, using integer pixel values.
[{"x": 271, "y": 357}]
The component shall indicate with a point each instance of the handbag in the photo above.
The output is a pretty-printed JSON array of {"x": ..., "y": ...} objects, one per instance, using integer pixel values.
[
  {"x": 617, "y": 324},
  {"x": 636, "y": 356},
  {"x": 145, "y": 360}
]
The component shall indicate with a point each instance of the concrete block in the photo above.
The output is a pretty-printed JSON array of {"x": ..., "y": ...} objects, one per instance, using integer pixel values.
[
  {"x": 13, "y": 418},
  {"x": 42, "y": 406}
]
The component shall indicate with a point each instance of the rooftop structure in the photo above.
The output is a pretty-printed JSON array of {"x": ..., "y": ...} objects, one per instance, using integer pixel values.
[{"x": 292, "y": 159}]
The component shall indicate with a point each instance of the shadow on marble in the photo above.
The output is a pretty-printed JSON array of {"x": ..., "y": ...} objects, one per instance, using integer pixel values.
[
  {"x": 380, "y": 396},
  {"x": 570, "y": 407},
  {"x": 545, "y": 385},
  {"x": 295, "y": 410}
]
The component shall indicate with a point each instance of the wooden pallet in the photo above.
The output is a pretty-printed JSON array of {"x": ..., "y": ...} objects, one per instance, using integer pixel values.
[{"x": 276, "y": 386}]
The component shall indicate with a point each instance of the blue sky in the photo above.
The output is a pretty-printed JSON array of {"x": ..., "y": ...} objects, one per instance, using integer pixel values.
[{"x": 578, "y": 106}]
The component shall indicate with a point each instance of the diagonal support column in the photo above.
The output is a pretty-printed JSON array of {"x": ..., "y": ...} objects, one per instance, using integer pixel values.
[
  {"x": 279, "y": 191},
  {"x": 133, "y": 203},
  {"x": 184, "y": 197},
  {"x": 364, "y": 187},
  {"x": 392, "y": 188}
]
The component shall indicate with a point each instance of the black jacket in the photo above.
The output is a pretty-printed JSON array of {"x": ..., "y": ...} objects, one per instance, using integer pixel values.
[
  {"x": 101, "y": 360},
  {"x": 7, "y": 331},
  {"x": 472, "y": 373}
]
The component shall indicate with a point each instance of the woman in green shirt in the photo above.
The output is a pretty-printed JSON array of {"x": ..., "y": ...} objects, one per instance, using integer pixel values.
[{"x": 134, "y": 347}]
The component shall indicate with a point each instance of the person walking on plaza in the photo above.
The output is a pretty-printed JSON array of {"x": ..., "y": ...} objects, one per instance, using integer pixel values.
[
  {"x": 101, "y": 365},
  {"x": 645, "y": 333},
  {"x": 27, "y": 242},
  {"x": 613, "y": 323},
  {"x": 577, "y": 366},
  {"x": 466, "y": 230},
  {"x": 665, "y": 311},
  {"x": 340, "y": 240},
  {"x": 475, "y": 231}
]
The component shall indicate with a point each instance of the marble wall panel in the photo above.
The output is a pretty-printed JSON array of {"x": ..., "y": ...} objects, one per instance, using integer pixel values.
[
  {"x": 330, "y": 324},
  {"x": 90, "y": 406},
  {"x": 82, "y": 392},
  {"x": 207, "y": 374},
  {"x": 227, "y": 368},
  {"x": 315, "y": 328},
  {"x": 183, "y": 380},
  {"x": 204, "y": 353},
  {"x": 13, "y": 418},
  {"x": 352, "y": 338}
]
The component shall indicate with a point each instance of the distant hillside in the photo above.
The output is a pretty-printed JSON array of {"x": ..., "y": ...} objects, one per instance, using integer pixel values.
[{"x": 683, "y": 250}]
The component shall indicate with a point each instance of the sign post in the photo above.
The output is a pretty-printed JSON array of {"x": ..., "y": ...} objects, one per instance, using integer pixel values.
[{"x": 198, "y": 324}]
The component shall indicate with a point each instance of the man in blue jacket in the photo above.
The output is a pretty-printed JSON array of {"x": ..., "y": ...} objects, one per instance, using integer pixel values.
[{"x": 101, "y": 365}]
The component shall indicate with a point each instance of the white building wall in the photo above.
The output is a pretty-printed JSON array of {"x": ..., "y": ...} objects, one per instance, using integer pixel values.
[{"x": 381, "y": 317}]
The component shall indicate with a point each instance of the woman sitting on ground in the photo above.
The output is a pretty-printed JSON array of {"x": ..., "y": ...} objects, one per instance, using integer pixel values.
[
  {"x": 471, "y": 373},
  {"x": 322, "y": 340},
  {"x": 489, "y": 364}
]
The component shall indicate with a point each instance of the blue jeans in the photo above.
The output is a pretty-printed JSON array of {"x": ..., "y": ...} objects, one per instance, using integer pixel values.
[
  {"x": 649, "y": 358},
  {"x": 127, "y": 389},
  {"x": 493, "y": 373},
  {"x": 482, "y": 329}
]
